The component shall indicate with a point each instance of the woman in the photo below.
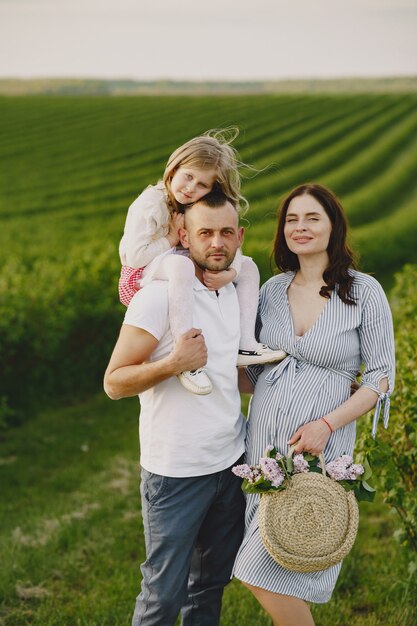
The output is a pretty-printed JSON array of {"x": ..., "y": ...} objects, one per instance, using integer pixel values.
[{"x": 330, "y": 319}]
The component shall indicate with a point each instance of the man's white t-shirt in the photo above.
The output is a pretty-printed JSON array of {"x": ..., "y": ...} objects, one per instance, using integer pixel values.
[{"x": 183, "y": 434}]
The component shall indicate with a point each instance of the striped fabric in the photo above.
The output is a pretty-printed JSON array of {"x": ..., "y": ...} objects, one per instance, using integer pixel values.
[{"x": 313, "y": 380}]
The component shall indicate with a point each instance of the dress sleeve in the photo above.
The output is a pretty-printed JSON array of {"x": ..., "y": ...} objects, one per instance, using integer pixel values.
[
  {"x": 377, "y": 348},
  {"x": 146, "y": 228}
]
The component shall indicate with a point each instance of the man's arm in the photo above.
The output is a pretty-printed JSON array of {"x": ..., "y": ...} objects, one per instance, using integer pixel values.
[{"x": 128, "y": 372}]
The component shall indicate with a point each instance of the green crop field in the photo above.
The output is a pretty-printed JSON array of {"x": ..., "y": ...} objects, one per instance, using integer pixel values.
[
  {"x": 70, "y": 538},
  {"x": 70, "y": 167}
]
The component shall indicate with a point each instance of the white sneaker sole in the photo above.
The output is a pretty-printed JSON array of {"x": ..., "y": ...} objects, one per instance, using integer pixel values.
[
  {"x": 259, "y": 359},
  {"x": 193, "y": 388}
]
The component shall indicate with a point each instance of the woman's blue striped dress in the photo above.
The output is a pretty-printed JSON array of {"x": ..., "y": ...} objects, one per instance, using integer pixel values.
[{"x": 313, "y": 380}]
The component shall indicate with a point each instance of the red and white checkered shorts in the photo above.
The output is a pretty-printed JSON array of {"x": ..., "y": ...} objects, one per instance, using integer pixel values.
[{"x": 129, "y": 283}]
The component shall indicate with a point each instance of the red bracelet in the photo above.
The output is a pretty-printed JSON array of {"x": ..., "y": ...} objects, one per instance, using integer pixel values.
[{"x": 326, "y": 422}]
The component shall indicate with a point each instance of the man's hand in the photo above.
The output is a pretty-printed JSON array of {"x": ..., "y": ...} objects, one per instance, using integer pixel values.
[
  {"x": 217, "y": 280},
  {"x": 130, "y": 372},
  {"x": 190, "y": 351},
  {"x": 311, "y": 437}
]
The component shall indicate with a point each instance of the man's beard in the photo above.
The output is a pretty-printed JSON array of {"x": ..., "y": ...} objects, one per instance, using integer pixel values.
[{"x": 215, "y": 266}]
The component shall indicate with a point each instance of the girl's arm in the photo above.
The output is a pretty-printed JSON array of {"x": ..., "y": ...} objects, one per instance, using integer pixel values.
[
  {"x": 148, "y": 231},
  {"x": 217, "y": 280}
]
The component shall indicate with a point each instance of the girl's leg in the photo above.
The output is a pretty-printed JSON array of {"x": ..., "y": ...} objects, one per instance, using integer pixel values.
[
  {"x": 284, "y": 610},
  {"x": 247, "y": 287},
  {"x": 179, "y": 271}
]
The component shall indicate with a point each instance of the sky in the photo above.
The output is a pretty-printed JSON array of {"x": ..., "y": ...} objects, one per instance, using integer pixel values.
[{"x": 211, "y": 40}]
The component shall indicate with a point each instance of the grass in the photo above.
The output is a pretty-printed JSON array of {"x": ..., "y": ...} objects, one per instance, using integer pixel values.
[
  {"x": 71, "y": 537},
  {"x": 70, "y": 525}
]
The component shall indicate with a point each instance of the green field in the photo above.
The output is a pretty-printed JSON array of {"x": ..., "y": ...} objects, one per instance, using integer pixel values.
[
  {"x": 70, "y": 167},
  {"x": 70, "y": 536}
]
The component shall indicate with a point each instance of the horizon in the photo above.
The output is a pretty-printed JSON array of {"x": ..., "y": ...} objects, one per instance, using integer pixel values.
[{"x": 226, "y": 80}]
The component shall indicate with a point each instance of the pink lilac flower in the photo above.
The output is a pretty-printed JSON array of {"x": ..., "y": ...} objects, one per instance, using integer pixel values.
[
  {"x": 355, "y": 470},
  {"x": 272, "y": 471},
  {"x": 336, "y": 471},
  {"x": 300, "y": 464},
  {"x": 269, "y": 448},
  {"x": 256, "y": 473},
  {"x": 248, "y": 472},
  {"x": 243, "y": 471},
  {"x": 343, "y": 468}
]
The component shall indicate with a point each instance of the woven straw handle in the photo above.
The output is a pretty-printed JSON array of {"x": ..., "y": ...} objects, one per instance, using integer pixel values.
[{"x": 321, "y": 457}]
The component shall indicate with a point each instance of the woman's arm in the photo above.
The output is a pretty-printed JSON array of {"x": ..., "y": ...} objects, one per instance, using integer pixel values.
[
  {"x": 313, "y": 437},
  {"x": 376, "y": 336},
  {"x": 377, "y": 353}
]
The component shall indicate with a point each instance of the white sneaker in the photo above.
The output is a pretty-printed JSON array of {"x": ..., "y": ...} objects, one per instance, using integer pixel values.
[
  {"x": 260, "y": 356},
  {"x": 196, "y": 381}
]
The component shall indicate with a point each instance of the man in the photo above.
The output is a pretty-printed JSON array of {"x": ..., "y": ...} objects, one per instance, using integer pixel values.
[{"x": 192, "y": 504}]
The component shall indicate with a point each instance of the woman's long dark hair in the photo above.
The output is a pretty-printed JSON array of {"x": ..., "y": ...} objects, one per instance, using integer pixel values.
[{"x": 341, "y": 257}]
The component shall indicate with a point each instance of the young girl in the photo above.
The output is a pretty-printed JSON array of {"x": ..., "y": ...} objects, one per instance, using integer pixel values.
[{"x": 151, "y": 231}]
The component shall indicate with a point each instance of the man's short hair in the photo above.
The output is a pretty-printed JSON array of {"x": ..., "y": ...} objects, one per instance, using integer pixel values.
[{"x": 215, "y": 199}]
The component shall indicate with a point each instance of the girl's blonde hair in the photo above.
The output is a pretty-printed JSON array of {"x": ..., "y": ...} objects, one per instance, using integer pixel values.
[{"x": 213, "y": 149}]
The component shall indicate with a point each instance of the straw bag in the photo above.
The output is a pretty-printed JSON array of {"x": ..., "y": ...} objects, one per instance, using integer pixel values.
[{"x": 310, "y": 525}]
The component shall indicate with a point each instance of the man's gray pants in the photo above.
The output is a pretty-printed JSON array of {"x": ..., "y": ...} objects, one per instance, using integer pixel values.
[{"x": 193, "y": 528}]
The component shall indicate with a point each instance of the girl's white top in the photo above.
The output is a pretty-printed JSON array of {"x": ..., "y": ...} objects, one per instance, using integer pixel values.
[{"x": 146, "y": 228}]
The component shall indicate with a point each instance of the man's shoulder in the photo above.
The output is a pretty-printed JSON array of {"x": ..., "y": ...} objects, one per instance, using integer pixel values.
[
  {"x": 155, "y": 292},
  {"x": 149, "y": 302}
]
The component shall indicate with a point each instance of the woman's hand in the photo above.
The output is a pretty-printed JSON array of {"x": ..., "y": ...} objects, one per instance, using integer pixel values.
[
  {"x": 311, "y": 437},
  {"x": 217, "y": 280}
]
